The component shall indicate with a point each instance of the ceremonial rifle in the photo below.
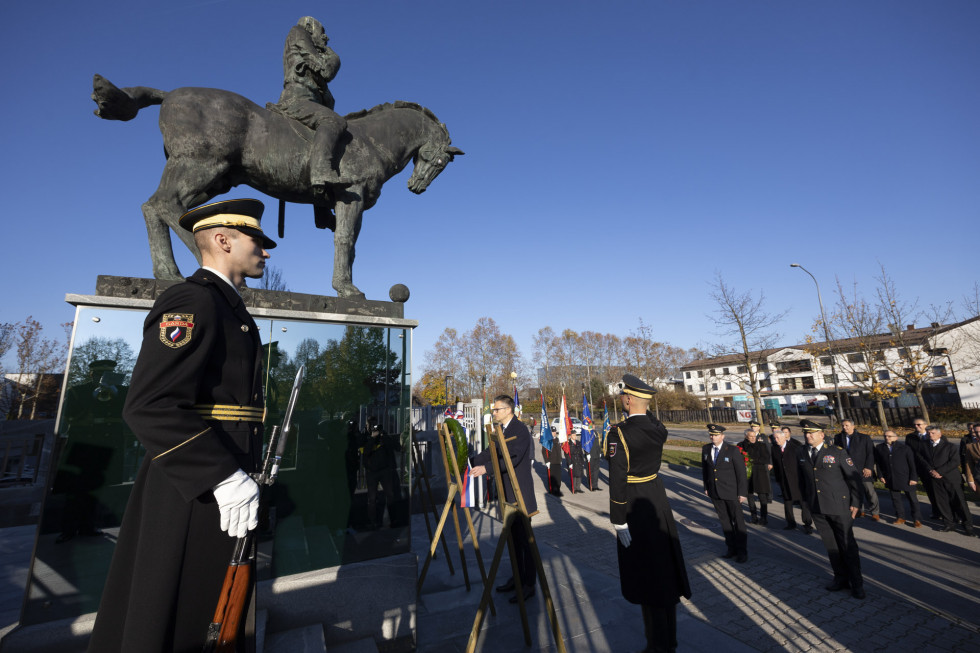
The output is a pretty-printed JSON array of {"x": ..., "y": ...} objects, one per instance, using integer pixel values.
[{"x": 232, "y": 602}]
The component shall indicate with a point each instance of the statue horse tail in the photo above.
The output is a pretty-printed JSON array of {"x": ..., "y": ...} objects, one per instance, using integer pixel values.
[{"x": 122, "y": 104}]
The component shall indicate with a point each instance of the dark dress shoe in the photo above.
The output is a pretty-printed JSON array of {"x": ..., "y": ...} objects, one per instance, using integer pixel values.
[
  {"x": 764, "y": 521},
  {"x": 742, "y": 558},
  {"x": 947, "y": 529},
  {"x": 755, "y": 520},
  {"x": 808, "y": 529},
  {"x": 506, "y": 587},
  {"x": 789, "y": 527},
  {"x": 528, "y": 593},
  {"x": 858, "y": 593},
  {"x": 728, "y": 554},
  {"x": 837, "y": 586}
]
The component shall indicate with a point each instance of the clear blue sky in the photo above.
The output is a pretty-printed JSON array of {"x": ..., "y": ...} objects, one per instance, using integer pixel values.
[{"x": 607, "y": 145}]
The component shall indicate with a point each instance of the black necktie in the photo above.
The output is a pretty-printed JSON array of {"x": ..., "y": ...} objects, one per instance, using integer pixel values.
[{"x": 813, "y": 456}]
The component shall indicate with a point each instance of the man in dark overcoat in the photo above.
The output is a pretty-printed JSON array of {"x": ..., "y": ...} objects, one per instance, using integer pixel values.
[
  {"x": 896, "y": 469},
  {"x": 784, "y": 453},
  {"x": 519, "y": 449},
  {"x": 651, "y": 565},
  {"x": 831, "y": 486},
  {"x": 726, "y": 484},
  {"x": 917, "y": 441},
  {"x": 760, "y": 459},
  {"x": 941, "y": 460},
  {"x": 196, "y": 404},
  {"x": 861, "y": 451}
]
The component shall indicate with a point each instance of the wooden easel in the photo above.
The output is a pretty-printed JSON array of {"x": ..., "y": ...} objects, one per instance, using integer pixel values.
[
  {"x": 454, "y": 481},
  {"x": 512, "y": 511},
  {"x": 422, "y": 476}
]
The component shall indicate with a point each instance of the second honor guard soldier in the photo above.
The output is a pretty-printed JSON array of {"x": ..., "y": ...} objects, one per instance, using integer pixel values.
[
  {"x": 651, "y": 565},
  {"x": 196, "y": 404},
  {"x": 831, "y": 486},
  {"x": 726, "y": 484}
]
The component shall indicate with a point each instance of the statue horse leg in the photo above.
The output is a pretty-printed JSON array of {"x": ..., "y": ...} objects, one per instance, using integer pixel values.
[
  {"x": 345, "y": 236},
  {"x": 185, "y": 183}
]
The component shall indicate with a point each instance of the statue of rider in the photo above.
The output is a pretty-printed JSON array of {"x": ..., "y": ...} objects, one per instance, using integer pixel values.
[{"x": 309, "y": 64}]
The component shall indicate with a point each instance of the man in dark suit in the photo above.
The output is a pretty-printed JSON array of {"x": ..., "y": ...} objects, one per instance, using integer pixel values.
[
  {"x": 648, "y": 549},
  {"x": 834, "y": 505},
  {"x": 941, "y": 460},
  {"x": 196, "y": 404},
  {"x": 896, "y": 469},
  {"x": 519, "y": 449},
  {"x": 917, "y": 441},
  {"x": 861, "y": 450},
  {"x": 726, "y": 484},
  {"x": 784, "y": 455}
]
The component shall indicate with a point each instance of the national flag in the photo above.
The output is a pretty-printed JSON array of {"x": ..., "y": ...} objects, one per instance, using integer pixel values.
[
  {"x": 588, "y": 436},
  {"x": 546, "y": 438},
  {"x": 449, "y": 411},
  {"x": 564, "y": 425},
  {"x": 468, "y": 494},
  {"x": 517, "y": 402}
]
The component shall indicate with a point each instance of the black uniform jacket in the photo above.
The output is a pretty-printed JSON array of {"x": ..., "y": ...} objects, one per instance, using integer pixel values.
[
  {"x": 651, "y": 569},
  {"x": 833, "y": 484},
  {"x": 784, "y": 466},
  {"x": 726, "y": 478},
  {"x": 520, "y": 457},
  {"x": 200, "y": 348},
  {"x": 896, "y": 467},
  {"x": 944, "y": 458},
  {"x": 760, "y": 458},
  {"x": 862, "y": 451}
]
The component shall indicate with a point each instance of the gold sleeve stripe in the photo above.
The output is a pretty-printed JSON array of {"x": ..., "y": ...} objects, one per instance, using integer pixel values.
[
  {"x": 622, "y": 441},
  {"x": 182, "y": 443},
  {"x": 640, "y": 479},
  {"x": 226, "y": 412},
  {"x": 621, "y": 503}
]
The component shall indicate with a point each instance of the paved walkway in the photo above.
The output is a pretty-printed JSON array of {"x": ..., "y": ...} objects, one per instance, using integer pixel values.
[{"x": 921, "y": 585}]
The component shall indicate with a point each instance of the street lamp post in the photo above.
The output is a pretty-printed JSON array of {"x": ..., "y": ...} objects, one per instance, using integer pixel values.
[{"x": 826, "y": 334}]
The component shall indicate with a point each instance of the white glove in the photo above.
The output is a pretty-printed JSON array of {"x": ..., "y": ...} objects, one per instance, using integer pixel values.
[
  {"x": 623, "y": 533},
  {"x": 238, "y": 503}
]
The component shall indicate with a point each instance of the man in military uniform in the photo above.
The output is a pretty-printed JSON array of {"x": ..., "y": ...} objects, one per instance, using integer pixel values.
[
  {"x": 651, "y": 565},
  {"x": 831, "y": 486},
  {"x": 519, "y": 447},
  {"x": 760, "y": 458},
  {"x": 196, "y": 405},
  {"x": 381, "y": 467},
  {"x": 726, "y": 484}
]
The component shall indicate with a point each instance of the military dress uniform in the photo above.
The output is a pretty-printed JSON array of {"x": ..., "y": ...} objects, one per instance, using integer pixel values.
[
  {"x": 651, "y": 569},
  {"x": 196, "y": 404},
  {"x": 831, "y": 486},
  {"x": 759, "y": 484},
  {"x": 724, "y": 479}
]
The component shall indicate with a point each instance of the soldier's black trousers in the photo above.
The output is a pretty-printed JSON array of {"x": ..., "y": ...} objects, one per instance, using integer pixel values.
[
  {"x": 837, "y": 534},
  {"x": 732, "y": 525}
]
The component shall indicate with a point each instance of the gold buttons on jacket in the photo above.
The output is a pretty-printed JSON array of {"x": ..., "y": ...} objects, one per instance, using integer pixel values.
[{"x": 245, "y": 328}]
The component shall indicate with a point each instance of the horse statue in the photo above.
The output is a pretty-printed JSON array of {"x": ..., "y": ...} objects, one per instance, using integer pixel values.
[{"x": 215, "y": 140}]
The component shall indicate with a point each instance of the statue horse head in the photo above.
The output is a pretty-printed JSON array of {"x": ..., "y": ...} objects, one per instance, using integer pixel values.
[{"x": 431, "y": 159}]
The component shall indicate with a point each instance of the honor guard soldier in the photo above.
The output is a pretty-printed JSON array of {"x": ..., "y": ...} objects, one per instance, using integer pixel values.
[
  {"x": 196, "y": 404},
  {"x": 726, "y": 484},
  {"x": 831, "y": 487},
  {"x": 651, "y": 565}
]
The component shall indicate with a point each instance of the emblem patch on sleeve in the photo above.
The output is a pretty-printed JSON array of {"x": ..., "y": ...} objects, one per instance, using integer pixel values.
[
  {"x": 176, "y": 329},
  {"x": 612, "y": 449}
]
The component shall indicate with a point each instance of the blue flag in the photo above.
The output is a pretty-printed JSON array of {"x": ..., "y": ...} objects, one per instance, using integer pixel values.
[
  {"x": 517, "y": 401},
  {"x": 588, "y": 434},
  {"x": 546, "y": 438}
]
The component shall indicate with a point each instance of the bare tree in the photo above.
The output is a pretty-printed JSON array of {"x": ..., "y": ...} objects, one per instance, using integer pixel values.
[
  {"x": 919, "y": 353},
  {"x": 272, "y": 279},
  {"x": 446, "y": 360},
  {"x": 36, "y": 356},
  {"x": 747, "y": 328},
  {"x": 859, "y": 329}
]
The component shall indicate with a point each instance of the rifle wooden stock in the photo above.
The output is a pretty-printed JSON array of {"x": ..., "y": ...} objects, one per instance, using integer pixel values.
[{"x": 233, "y": 600}]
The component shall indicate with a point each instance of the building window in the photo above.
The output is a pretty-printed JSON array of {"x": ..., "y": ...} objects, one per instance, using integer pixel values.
[
  {"x": 765, "y": 384},
  {"x": 791, "y": 367},
  {"x": 763, "y": 367},
  {"x": 797, "y": 383},
  {"x": 826, "y": 360},
  {"x": 855, "y": 358},
  {"x": 728, "y": 385},
  {"x": 879, "y": 356},
  {"x": 724, "y": 371},
  {"x": 712, "y": 373},
  {"x": 690, "y": 388},
  {"x": 859, "y": 377},
  {"x": 701, "y": 387},
  {"x": 939, "y": 370},
  {"x": 687, "y": 375},
  {"x": 883, "y": 375},
  {"x": 741, "y": 369},
  {"x": 714, "y": 386},
  {"x": 700, "y": 374},
  {"x": 828, "y": 378}
]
